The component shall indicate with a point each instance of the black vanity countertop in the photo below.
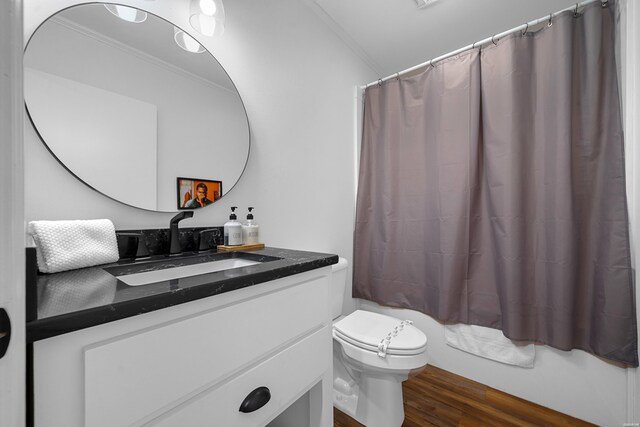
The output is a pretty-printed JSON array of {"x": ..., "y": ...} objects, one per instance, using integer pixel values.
[{"x": 77, "y": 299}]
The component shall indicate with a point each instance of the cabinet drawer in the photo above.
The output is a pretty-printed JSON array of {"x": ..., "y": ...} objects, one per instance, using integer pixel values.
[
  {"x": 286, "y": 375},
  {"x": 133, "y": 379}
]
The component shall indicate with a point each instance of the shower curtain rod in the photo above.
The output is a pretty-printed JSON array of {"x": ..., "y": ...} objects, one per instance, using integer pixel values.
[{"x": 491, "y": 39}]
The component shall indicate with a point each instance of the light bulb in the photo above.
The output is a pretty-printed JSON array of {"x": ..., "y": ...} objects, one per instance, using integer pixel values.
[
  {"x": 207, "y": 17},
  {"x": 208, "y": 7},
  {"x": 186, "y": 42},
  {"x": 205, "y": 25},
  {"x": 126, "y": 13}
]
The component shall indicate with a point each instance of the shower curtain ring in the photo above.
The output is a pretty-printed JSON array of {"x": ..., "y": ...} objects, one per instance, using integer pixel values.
[
  {"x": 605, "y": 3},
  {"x": 493, "y": 41},
  {"x": 397, "y": 76},
  {"x": 575, "y": 12},
  {"x": 379, "y": 82},
  {"x": 550, "y": 23},
  {"x": 431, "y": 63},
  {"x": 525, "y": 29},
  {"x": 473, "y": 46}
]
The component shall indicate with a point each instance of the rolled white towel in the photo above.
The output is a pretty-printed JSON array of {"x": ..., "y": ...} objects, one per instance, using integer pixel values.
[
  {"x": 67, "y": 245},
  {"x": 490, "y": 344}
]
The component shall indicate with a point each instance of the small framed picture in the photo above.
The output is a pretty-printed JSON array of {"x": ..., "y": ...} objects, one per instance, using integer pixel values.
[{"x": 196, "y": 193}]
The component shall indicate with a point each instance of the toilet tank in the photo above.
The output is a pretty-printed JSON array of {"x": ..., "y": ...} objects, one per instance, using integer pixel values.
[{"x": 338, "y": 284}]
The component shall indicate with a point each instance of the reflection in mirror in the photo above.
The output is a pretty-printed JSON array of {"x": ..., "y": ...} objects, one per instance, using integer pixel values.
[
  {"x": 127, "y": 111},
  {"x": 129, "y": 14}
]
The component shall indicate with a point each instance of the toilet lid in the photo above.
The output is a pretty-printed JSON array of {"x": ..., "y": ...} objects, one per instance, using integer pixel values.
[{"x": 366, "y": 330}]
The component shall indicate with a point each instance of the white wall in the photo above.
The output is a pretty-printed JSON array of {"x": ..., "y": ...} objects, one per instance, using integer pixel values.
[{"x": 629, "y": 63}]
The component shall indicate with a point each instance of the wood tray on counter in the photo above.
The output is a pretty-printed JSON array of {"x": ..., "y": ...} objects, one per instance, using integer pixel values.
[{"x": 247, "y": 247}]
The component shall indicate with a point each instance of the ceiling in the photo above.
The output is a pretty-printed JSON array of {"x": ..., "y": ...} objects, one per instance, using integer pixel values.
[
  {"x": 389, "y": 35},
  {"x": 393, "y": 35},
  {"x": 153, "y": 38}
]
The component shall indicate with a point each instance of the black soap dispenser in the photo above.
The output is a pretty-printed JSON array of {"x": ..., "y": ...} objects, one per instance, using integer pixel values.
[{"x": 232, "y": 230}]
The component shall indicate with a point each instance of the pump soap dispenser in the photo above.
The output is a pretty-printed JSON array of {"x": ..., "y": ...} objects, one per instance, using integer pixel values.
[
  {"x": 250, "y": 229},
  {"x": 232, "y": 230}
]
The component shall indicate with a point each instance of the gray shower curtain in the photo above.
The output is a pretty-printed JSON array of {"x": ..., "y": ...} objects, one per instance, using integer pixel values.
[{"x": 492, "y": 193}]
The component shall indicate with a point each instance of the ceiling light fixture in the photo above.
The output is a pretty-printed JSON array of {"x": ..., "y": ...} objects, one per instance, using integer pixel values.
[
  {"x": 207, "y": 17},
  {"x": 421, "y": 4},
  {"x": 126, "y": 13},
  {"x": 208, "y": 7},
  {"x": 186, "y": 42}
]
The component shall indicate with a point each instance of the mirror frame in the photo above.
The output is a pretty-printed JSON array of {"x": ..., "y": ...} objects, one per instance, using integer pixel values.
[{"x": 42, "y": 140}]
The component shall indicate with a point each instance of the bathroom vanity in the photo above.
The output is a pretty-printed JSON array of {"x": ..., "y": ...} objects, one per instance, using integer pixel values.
[
  {"x": 165, "y": 341},
  {"x": 185, "y": 351}
]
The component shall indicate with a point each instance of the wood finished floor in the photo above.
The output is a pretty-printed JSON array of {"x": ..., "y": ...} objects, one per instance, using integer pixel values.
[{"x": 439, "y": 398}]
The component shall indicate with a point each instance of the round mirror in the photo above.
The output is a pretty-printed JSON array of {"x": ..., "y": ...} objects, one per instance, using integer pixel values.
[{"x": 135, "y": 108}]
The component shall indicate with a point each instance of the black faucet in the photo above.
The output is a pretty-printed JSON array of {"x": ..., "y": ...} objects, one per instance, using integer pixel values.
[{"x": 174, "y": 235}]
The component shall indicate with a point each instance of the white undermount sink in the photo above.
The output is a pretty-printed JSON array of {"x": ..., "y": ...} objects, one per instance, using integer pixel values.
[{"x": 147, "y": 277}]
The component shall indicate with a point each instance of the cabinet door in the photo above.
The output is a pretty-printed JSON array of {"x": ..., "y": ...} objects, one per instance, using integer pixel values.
[
  {"x": 134, "y": 379},
  {"x": 287, "y": 375}
]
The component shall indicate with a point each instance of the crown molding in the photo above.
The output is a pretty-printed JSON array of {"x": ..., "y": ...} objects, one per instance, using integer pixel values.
[
  {"x": 153, "y": 60},
  {"x": 343, "y": 35}
]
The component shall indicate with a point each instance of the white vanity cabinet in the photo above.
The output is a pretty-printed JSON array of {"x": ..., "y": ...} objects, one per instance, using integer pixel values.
[{"x": 193, "y": 364}]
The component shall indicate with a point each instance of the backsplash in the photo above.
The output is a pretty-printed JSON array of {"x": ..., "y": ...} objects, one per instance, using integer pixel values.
[{"x": 157, "y": 240}]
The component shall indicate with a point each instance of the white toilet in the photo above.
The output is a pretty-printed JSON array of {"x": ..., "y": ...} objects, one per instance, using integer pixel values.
[{"x": 372, "y": 355}]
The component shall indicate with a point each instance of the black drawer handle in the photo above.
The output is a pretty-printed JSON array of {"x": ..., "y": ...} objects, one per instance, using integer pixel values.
[{"x": 255, "y": 400}]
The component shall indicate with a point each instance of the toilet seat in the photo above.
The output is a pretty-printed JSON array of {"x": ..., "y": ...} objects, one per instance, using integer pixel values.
[
  {"x": 365, "y": 329},
  {"x": 361, "y": 332}
]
